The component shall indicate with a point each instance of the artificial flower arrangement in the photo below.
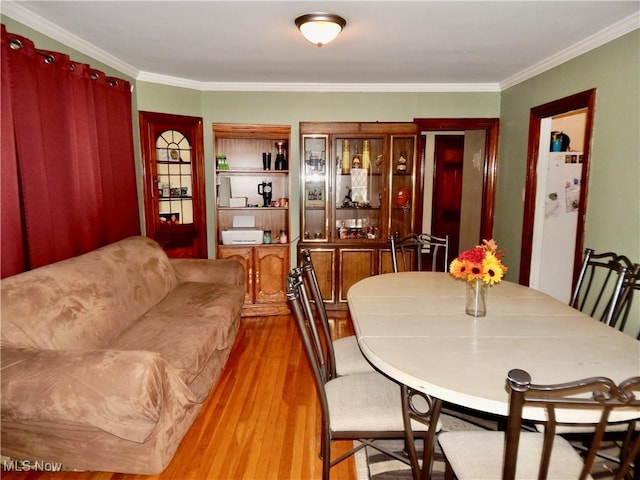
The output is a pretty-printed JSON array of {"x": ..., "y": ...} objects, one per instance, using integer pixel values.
[{"x": 482, "y": 262}]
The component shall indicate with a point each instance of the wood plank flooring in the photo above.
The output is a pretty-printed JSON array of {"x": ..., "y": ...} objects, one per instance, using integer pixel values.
[{"x": 260, "y": 422}]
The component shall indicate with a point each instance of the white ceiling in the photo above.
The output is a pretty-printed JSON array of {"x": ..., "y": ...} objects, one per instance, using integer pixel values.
[{"x": 386, "y": 45}]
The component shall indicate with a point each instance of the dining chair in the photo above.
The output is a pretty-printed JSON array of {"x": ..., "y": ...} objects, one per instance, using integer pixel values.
[
  {"x": 599, "y": 285},
  {"x": 516, "y": 454},
  {"x": 364, "y": 407},
  {"x": 630, "y": 285},
  {"x": 344, "y": 355},
  {"x": 406, "y": 252}
]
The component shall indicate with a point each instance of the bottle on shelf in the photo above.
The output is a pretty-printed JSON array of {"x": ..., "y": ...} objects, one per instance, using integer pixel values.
[
  {"x": 346, "y": 157},
  {"x": 281, "y": 159},
  {"x": 366, "y": 155}
]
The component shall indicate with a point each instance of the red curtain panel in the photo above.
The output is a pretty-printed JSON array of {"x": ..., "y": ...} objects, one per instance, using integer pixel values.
[{"x": 70, "y": 129}]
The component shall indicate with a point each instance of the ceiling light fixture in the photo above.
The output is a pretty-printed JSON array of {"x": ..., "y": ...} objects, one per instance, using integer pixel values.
[{"x": 320, "y": 28}]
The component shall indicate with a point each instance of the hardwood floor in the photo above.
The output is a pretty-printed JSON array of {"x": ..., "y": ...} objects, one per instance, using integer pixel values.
[{"x": 260, "y": 422}]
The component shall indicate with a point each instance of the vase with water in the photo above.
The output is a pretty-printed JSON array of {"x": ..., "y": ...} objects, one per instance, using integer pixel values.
[{"x": 476, "y": 298}]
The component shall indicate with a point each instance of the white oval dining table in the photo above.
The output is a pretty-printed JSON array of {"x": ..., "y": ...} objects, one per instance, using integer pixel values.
[{"x": 412, "y": 326}]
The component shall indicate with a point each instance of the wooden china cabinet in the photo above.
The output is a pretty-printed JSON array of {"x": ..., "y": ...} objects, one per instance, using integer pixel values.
[
  {"x": 359, "y": 183},
  {"x": 172, "y": 156}
]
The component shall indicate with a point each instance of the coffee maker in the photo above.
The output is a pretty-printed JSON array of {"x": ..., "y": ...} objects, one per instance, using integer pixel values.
[{"x": 264, "y": 189}]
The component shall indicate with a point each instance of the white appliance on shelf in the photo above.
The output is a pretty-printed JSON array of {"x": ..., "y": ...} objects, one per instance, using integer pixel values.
[{"x": 243, "y": 232}]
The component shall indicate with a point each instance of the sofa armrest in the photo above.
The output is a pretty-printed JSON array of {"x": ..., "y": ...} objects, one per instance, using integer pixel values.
[
  {"x": 125, "y": 393},
  {"x": 203, "y": 270}
]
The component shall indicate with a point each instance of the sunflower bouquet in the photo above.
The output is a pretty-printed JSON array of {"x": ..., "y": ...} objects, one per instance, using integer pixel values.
[{"x": 482, "y": 262}]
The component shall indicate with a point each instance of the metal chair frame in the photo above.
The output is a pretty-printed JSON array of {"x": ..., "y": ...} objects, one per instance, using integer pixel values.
[
  {"x": 311, "y": 282},
  {"x": 412, "y": 245},
  {"x": 317, "y": 356},
  {"x": 631, "y": 283},
  {"x": 599, "y": 284},
  {"x": 598, "y": 394}
]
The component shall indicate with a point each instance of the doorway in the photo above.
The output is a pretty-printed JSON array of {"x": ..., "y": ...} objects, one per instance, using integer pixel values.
[
  {"x": 447, "y": 188},
  {"x": 540, "y": 119},
  {"x": 478, "y": 195}
]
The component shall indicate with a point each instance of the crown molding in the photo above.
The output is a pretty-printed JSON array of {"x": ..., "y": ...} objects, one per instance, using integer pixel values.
[
  {"x": 596, "y": 40},
  {"x": 316, "y": 87}
]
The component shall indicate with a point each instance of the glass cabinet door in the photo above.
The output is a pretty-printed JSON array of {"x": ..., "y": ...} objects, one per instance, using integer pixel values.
[
  {"x": 315, "y": 188},
  {"x": 402, "y": 185},
  {"x": 358, "y": 188},
  {"x": 174, "y": 175}
]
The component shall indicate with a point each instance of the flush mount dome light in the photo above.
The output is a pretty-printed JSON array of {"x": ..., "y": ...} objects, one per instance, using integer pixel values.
[{"x": 320, "y": 28}]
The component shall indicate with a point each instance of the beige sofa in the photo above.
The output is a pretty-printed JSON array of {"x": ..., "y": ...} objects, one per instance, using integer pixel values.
[{"x": 107, "y": 357}]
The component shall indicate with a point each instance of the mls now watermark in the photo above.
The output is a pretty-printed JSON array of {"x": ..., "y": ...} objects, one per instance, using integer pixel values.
[{"x": 30, "y": 465}]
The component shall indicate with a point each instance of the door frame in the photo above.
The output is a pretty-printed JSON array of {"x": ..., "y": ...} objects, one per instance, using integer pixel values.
[
  {"x": 583, "y": 100},
  {"x": 491, "y": 127}
]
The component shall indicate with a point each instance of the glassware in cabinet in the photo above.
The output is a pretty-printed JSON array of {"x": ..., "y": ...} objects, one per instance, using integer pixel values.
[
  {"x": 314, "y": 188},
  {"x": 358, "y": 188},
  {"x": 403, "y": 186}
]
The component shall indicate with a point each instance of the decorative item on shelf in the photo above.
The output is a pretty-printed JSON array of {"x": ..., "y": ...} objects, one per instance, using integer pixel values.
[
  {"x": 378, "y": 163},
  {"x": 366, "y": 155},
  {"x": 266, "y": 161},
  {"x": 356, "y": 163},
  {"x": 403, "y": 197},
  {"x": 480, "y": 267},
  {"x": 283, "y": 236},
  {"x": 221, "y": 162},
  {"x": 281, "y": 159},
  {"x": 402, "y": 163},
  {"x": 267, "y": 237},
  {"x": 265, "y": 189},
  {"x": 174, "y": 155},
  {"x": 170, "y": 218},
  {"x": 347, "y": 201},
  {"x": 346, "y": 157}
]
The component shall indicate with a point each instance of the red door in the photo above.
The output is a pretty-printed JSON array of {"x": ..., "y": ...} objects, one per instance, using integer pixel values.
[{"x": 447, "y": 188}]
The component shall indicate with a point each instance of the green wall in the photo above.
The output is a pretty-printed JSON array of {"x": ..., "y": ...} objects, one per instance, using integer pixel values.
[
  {"x": 613, "y": 208},
  {"x": 613, "y": 203},
  {"x": 290, "y": 108}
]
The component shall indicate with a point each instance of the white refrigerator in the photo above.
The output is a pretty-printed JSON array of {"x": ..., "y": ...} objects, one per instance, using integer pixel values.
[{"x": 561, "y": 196}]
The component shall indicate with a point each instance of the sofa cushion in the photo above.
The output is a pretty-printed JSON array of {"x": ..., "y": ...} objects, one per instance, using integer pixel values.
[
  {"x": 193, "y": 321},
  {"x": 126, "y": 393},
  {"x": 85, "y": 301}
]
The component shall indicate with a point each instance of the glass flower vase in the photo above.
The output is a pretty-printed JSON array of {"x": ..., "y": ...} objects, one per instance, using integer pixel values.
[{"x": 476, "y": 300}]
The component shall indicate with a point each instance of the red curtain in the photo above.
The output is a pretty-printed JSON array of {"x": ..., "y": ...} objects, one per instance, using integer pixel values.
[{"x": 68, "y": 175}]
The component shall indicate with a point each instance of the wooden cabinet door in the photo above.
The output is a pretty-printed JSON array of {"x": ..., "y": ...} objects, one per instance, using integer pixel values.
[
  {"x": 244, "y": 255},
  {"x": 324, "y": 263},
  {"x": 270, "y": 273},
  {"x": 355, "y": 264}
]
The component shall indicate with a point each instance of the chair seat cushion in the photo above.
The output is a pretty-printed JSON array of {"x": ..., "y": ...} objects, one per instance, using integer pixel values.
[
  {"x": 366, "y": 402},
  {"x": 478, "y": 455},
  {"x": 349, "y": 358}
]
